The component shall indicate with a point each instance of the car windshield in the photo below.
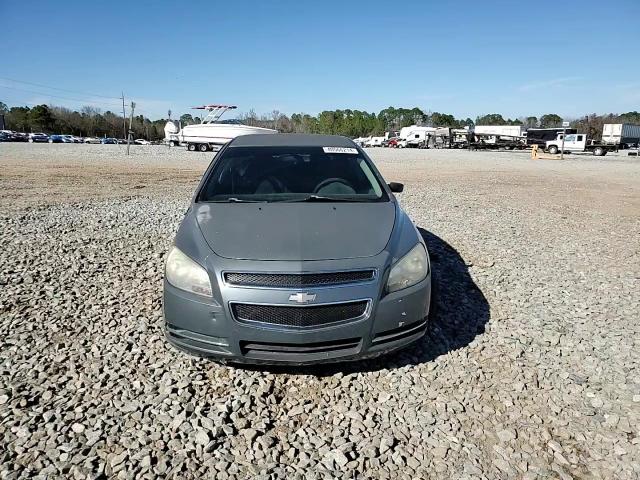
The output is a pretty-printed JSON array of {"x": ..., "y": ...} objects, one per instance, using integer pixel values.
[{"x": 291, "y": 174}]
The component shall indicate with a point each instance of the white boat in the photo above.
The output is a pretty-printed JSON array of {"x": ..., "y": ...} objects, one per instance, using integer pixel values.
[{"x": 212, "y": 132}]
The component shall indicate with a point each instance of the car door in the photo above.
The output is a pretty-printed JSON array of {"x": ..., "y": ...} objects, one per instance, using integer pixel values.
[{"x": 570, "y": 142}]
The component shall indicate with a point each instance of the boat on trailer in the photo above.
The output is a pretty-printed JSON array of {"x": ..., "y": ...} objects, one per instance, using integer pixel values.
[{"x": 212, "y": 133}]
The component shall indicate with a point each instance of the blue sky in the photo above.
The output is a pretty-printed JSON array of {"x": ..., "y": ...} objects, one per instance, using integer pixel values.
[{"x": 464, "y": 57}]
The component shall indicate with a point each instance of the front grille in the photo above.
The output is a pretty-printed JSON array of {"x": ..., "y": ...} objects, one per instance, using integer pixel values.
[
  {"x": 299, "y": 316},
  {"x": 298, "y": 280}
]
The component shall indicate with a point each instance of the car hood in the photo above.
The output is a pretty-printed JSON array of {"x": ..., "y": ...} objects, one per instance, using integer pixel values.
[{"x": 296, "y": 231}]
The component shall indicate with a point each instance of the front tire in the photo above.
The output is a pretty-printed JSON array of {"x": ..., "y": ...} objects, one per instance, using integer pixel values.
[
  {"x": 191, "y": 147},
  {"x": 204, "y": 147},
  {"x": 553, "y": 149},
  {"x": 172, "y": 143},
  {"x": 599, "y": 152}
]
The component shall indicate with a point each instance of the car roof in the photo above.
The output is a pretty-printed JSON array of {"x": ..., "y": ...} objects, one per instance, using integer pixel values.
[{"x": 291, "y": 140}]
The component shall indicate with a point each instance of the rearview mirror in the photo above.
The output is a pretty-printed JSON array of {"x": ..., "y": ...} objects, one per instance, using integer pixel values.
[{"x": 396, "y": 187}]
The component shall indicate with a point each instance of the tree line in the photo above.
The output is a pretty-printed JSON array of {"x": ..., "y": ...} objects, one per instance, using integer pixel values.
[
  {"x": 91, "y": 121},
  {"x": 87, "y": 122}
]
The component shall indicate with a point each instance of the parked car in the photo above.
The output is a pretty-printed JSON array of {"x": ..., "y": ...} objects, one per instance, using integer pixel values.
[
  {"x": 141, "y": 141},
  {"x": 109, "y": 141},
  {"x": 92, "y": 140},
  {"x": 60, "y": 139},
  {"x": 38, "y": 137},
  {"x": 277, "y": 223},
  {"x": 20, "y": 137},
  {"x": 72, "y": 139}
]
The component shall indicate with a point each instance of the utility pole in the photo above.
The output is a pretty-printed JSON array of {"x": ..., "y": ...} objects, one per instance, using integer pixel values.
[
  {"x": 124, "y": 119},
  {"x": 133, "y": 107},
  {"x": 564, "y": 134}
]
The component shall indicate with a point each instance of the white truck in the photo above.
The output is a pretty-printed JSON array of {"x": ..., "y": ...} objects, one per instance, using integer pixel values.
[
  {"x": 622, "y": 134},
  {"x": 577, "y": 142}
]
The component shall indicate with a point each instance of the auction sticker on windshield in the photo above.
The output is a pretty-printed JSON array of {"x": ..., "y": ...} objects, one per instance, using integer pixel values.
[{"x": 340, "y": 150}]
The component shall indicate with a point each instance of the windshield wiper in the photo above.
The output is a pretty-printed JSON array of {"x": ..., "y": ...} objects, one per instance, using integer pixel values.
[
  {"x": 320, "y": 198},
  {"x": 237, "y": 200}
]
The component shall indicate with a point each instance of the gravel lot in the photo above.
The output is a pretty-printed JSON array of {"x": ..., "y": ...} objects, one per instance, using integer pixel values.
[{"x": 531, "y": 368}]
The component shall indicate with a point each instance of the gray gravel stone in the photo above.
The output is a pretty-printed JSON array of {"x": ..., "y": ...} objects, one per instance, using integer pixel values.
[{"x": 77, "y": 427}]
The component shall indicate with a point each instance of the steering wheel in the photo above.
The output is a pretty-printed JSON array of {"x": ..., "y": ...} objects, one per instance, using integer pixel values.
[
  {"x": 329, "y": 181},
  {"x": 276, "y": 184}
]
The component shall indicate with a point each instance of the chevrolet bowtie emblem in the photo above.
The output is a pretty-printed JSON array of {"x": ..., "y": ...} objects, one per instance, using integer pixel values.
[{"x": 302, "y": 297}]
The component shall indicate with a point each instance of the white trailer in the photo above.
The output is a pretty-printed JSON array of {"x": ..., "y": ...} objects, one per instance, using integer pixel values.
[
  {"x": 415, "y": 136},
  {"x": 374, "y": 142},
  {"x": 391, "y": 134},
  {"x": 623, "y": 134},
  {"x": 446, "y": 137},
  {"x": 499, "y": 130}
]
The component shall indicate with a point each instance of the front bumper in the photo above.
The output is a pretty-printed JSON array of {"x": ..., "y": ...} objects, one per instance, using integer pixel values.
[{"x": 207, "y": 328}]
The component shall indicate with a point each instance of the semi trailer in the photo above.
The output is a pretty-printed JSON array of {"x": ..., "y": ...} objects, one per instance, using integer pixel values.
[
  {"x": 623, "y": 134},
  {"x": 500, "y": 130}
]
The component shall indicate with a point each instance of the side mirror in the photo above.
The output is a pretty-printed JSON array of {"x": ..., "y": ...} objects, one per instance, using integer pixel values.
[{"x": 396, "y": 187}]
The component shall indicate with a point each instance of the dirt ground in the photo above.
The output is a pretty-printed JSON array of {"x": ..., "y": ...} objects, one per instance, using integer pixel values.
[
  {"x": 530, "y": 367},
  {"x": 49, "y": 174}
]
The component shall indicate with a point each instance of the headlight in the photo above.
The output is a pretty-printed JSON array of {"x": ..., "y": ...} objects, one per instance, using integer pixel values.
[
  {"x": 185, "y": 274},
  {"x": 409, "y": 270}
]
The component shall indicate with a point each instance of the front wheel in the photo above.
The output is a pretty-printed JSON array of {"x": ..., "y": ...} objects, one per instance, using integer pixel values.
[
  {"x": 172, "y": 143},
  {"x": 599, "y": 152},
  {"x": 191, "y": 147},
  {"x": 204, "y": 147},
  {"x": 553, "y": 149}
]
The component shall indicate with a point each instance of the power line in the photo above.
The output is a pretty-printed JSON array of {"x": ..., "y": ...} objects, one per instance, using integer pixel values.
[
  {"x": 60, "y": 89},
  {"x": 45, "y": 94}
]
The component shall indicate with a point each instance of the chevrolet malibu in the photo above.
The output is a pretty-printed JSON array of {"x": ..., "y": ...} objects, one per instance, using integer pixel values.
[{"x": 294, "y": 250}]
